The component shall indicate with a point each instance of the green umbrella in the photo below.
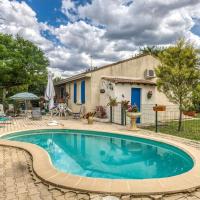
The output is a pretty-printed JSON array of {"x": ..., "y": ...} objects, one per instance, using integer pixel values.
[{"x": 24, "y": 96}]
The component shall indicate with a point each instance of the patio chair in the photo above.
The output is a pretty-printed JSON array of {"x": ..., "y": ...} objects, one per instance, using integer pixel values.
[
  {"x": 2, "y": 110},
  {"x": 55, "y": 111},
  {"x": 62, "y": 107},
  {"x": 36, "y": 113},
  {"x": 68, "y": 110},
  {"x": 77, "y": 115}
]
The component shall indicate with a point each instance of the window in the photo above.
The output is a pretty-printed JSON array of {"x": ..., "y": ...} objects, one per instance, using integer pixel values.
[
  {"x": 83, "y": 91},
  {"x": 75, "y": 92}
]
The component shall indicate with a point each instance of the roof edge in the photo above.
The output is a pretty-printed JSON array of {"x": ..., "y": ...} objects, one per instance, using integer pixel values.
[
  {"x": 72, "y": 78},
  {"x": 84, "y": 74}
]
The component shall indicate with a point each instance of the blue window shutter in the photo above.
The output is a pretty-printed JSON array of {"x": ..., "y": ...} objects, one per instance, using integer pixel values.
[
  {"x": 83, "y": 91},
  {"x": 75, "y": 92}
]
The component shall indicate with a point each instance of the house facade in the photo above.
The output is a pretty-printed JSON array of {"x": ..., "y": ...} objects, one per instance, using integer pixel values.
[{"x": 132, "y": 79}]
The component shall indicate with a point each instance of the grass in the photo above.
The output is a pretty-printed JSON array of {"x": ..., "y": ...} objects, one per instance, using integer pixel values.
[{"x": 190, "y": 129}]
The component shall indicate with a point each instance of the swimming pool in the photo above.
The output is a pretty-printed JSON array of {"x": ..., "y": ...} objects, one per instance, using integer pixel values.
[
  {"x": 3, "y": 119},
  {"x": 107, "y": 155}
]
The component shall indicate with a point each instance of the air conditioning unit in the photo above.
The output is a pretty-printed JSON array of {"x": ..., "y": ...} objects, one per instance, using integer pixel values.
[{"x": 149, "y": 73}]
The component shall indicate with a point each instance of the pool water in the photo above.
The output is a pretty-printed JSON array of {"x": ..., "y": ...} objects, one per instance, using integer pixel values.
[
  {"x": 107, "y": 155},
  {"x": 3, "y": 119}
]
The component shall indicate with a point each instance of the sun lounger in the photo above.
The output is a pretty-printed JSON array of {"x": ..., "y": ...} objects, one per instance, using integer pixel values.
[{"x": 5, "y": 120}]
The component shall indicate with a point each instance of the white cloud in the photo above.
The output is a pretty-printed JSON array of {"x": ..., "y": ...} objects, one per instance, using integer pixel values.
[
  {"x": 69, "y": 8},
  {"x": 81, "y": 36},
  {"x": 144, "y": 21},
  {"x": 115, "y": 29},
  {"x": 66, "y": 60},
  {"x": 19, "y": 18}
]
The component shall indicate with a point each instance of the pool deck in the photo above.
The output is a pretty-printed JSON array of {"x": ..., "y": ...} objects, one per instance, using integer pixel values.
[{"x": 19, "y": 172}]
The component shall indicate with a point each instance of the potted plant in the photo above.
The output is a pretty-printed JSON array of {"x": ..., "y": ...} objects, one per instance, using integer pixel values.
[
  {"x": 124, "y": 107},
  {"x": 190, "y": 111},
  {"x": 133, "y": 114},
  {"x": 89, "y": 116},
  {"x": 102, "y": 90},
  {"x": 149, "y": 94},
  {"x": 125, "y": 104},
  {"x": 101, "y": 112},
  {"x": 112, "y": 102}
]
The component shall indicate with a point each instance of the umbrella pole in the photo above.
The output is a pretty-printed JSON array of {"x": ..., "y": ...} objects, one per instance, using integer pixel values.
[{"x": 25, "y": 108}]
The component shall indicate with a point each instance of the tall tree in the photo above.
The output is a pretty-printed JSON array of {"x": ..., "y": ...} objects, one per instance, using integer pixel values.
[
  {"x": 196, "y": 98},
  {"x": 178, "y": 74},
  {"x": 152, "y": 50},
  {"x": 21, "y": 63}
]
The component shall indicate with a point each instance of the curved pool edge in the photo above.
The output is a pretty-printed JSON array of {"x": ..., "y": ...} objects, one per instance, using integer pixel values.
[{"x": 44, "y": 169}]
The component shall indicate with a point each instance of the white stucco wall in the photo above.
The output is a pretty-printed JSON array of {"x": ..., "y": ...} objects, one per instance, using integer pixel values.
[
  {"x": 146, "y": 104},
  {"x": 148, "y": 115},
  {"x": 133, "y": 68},
  {"x": 120, "y": 90}
]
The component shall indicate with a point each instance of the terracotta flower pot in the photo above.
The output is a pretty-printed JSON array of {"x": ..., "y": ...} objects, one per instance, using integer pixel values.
[
  {"x": 190, "y": 113},
  {"x": 133, "y": 116},
  {"x": 90, "y": 120},
  {"x": 159, "y": 108}
]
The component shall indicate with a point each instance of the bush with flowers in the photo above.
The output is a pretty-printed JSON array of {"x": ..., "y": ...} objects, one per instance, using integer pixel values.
[{"x": 132, "y": 108}]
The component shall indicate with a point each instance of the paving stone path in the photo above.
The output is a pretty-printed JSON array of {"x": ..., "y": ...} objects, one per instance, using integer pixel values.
[{"x": 18, "y": 181}]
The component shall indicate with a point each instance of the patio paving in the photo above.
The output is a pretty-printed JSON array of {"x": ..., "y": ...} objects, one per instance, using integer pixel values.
[{"x": 18, "y": 181}]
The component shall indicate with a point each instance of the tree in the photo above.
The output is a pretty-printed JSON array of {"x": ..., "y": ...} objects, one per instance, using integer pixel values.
[
  {"x": 57, "y": 79},
  {"x": 21, "y": 63},
  {"x": 152, "y": 50},
  {"x": 196, "y": 98},
  {"x": 178, "y": 74}
]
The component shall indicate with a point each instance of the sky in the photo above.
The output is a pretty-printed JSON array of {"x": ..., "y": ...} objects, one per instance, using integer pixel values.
[{"x": 77, "y": 33}]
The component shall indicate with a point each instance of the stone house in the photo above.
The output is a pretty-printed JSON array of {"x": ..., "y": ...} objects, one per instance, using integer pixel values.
[{"x": 132, "y": 79}]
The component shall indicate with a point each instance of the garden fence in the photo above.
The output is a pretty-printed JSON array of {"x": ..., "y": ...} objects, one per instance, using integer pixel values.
[{"x": 166, "y": 120}]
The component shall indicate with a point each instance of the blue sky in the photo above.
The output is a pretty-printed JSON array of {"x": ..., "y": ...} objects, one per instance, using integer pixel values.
[
  {"x": 50, "y": 10},
  {"x": 71, "y": 32},
  {"x": 196, "y": 28}
]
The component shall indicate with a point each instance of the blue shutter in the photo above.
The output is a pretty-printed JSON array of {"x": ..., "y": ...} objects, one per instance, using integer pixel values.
[
  {"x": 83, "y": 91},
  {"x": 75, "y": 92}
]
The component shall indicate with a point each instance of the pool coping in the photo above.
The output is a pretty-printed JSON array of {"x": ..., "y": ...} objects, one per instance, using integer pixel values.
[{"x": 44, "y": 169}]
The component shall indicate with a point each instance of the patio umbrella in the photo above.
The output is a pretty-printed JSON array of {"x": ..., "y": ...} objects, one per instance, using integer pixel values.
[
  {"x": 50, "y": 92},
  {"x": 49, "y": 96},
  {"x": 24, "y": 96}
]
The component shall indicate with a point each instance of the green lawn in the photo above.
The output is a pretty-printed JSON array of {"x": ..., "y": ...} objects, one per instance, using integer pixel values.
[{"x": 190, "y": 129}]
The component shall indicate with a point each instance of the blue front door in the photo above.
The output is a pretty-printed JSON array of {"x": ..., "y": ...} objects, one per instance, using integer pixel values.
[{"x": 136, "y": 99}]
